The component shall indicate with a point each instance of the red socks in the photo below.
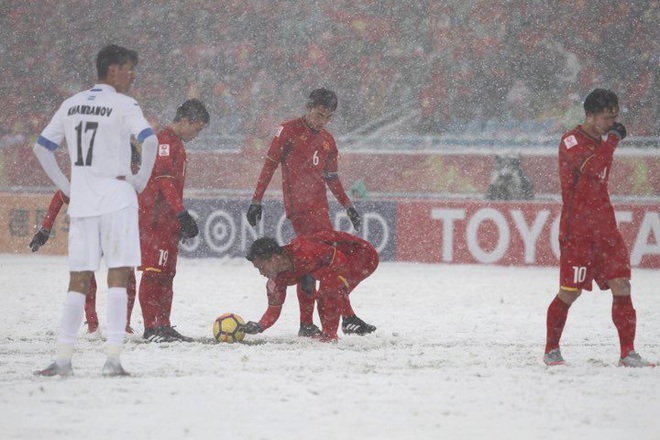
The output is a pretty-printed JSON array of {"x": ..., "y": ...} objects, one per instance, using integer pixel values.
[
  {"x": 556, "y": 319},
  {"x": 156, "y": 299},
  {"x": 306, "y": 303},
  {"x": 625, "y": 321},
  {"x": 623, "y": 316},
  {"x": 90, "y": 307},
  {"x": 329, "y": 312},
  {"x": 131, "y": 291},
  {"x": 346, "y": 308}
]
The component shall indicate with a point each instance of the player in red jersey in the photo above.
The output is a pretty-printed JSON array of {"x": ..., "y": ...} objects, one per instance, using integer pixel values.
[
  {"x": 592, "y": 248},
  {"x": 340, "y": 261},
  {"x": 164, "y": 221},
  {"x": 41, "y": 237},
  {"x": 308, "y": 155}
]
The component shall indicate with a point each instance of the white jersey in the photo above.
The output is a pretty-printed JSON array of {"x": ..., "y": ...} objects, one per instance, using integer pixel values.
[{"x": 97, "y": 125}]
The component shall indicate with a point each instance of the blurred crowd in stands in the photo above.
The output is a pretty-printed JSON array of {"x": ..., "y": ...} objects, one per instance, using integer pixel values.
[{"x": 514, "y": 67}]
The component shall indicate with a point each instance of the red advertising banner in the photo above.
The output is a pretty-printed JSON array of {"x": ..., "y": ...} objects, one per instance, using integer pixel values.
[
  {"x": 429, "y": 231},
  {"x": 521, "y": 233}
]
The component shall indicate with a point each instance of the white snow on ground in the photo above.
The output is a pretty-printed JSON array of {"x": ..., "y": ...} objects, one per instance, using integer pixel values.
[{"x": 457, "y": 354}]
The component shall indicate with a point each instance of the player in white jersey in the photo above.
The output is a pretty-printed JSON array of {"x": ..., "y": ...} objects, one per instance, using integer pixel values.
[{"x": 97, "y": 125}]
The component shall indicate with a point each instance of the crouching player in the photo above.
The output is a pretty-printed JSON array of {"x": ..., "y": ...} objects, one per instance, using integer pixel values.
[{"x": 338, "y": 260}]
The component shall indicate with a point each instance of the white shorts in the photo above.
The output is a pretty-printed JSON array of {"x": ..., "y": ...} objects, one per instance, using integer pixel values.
[{"x": 115, "y": 236}]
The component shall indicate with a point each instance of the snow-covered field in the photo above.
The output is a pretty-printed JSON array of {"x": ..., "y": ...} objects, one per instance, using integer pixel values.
[{"x": 457, "y": 355}]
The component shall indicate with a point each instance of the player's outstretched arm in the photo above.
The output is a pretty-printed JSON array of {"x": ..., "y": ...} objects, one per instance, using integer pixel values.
[
  {"x": 54, "y": 207},
  {"x": 337, "y": 189},
  {"x": 267, "y": 171},
  {"x": 269, "y": 317}
]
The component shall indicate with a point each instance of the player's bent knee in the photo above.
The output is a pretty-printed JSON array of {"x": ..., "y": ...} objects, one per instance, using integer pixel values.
[
  {"x": 569, "y": 296},
  {"x": 118, "y": 276},
  {"x": 80, "y": 282},
  {"x": 620, "y": 286}
]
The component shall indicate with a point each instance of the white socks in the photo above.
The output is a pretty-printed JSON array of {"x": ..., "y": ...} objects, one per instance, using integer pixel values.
[
  {"x": 117, "y": 304},
  {"x": 64, "y": 354},
  {"x": 72, "y": 315}
]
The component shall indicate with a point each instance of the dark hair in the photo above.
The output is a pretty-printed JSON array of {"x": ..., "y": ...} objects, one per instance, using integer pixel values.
[
  {"x": 113, "y": 54},
  {"x": 600, "y": 100},
  {"x": 263, "y": 247},
  {"x": 326, "y": 98},
  {"x": 193, "y": 110}
]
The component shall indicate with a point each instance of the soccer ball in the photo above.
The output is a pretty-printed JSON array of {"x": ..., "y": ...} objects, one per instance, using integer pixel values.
[{"x": 225, "y": 328}]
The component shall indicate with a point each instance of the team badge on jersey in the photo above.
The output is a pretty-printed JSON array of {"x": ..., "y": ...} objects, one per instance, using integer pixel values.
[
  {"x": 570, "y": 142},
  {"x": 164, "y": 149}
]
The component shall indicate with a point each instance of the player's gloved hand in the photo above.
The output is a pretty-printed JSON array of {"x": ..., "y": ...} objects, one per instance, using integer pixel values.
[
  {"x": 39, "y": 239},
  {"x": 251, "y": 328},
  {"x": 254, "y": 213},
  {"x": 308, "y": 284},
  {"x": 619, "y": 130},
  {"x": 187, "y": 225},
  {"x": 355, "y": 218}
]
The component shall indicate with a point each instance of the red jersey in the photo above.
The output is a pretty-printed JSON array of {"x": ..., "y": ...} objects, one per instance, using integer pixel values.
[
  {"x": 160, "y": 202},
  {"x": 584, "y": 170},
  {"x": 309, "y": 161},
  {"x": 162, "y": 199},
  {"x": 318, "y": 256}
]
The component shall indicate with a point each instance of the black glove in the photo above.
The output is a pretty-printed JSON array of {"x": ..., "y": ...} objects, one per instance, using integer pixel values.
[
  {"x": 251, "y": 328},
  {"x": 187, "y": 225},
  {"x": 39, "y": 239},
  {"x": 619, "y": 130},
  {"x": 354, "y": 216},
  {"x": 254, "y": 213},
  {"x": 308, "y": 284}
]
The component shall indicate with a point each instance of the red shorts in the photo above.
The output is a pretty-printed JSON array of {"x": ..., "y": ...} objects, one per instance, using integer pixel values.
[
  {"x": 585, "y": 261},
  {"x": 363, "y": 259},
  {"x": 159, "y": 251}
]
